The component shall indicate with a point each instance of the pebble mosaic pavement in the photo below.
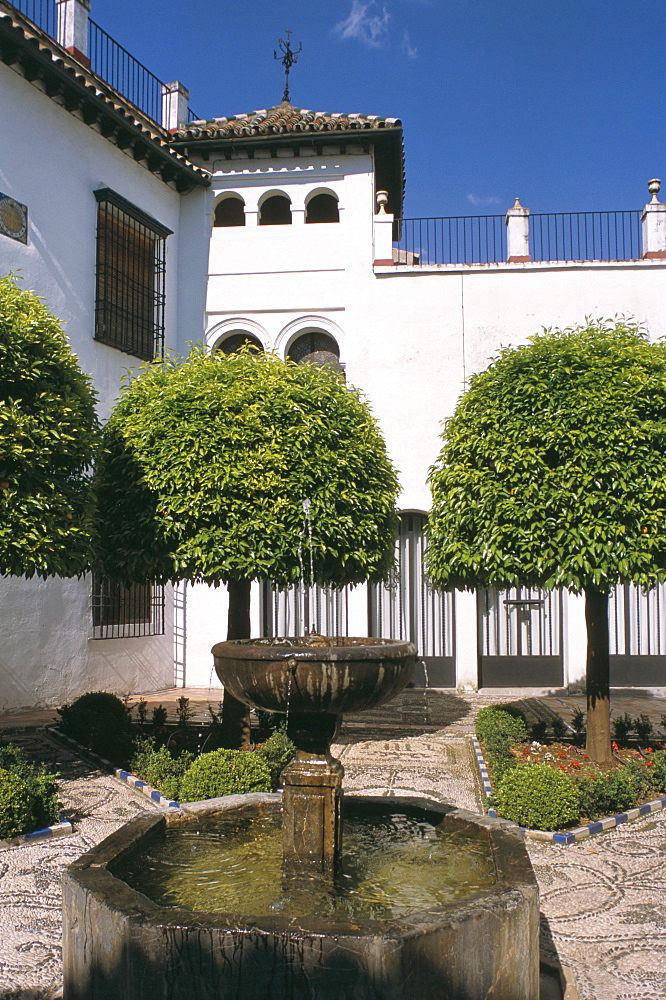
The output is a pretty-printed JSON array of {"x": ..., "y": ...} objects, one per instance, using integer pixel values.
[{"x": 603, "y": 900}]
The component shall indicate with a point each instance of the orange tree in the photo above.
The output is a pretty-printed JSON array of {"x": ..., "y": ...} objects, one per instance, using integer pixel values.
[
  {"x": 48, "y": 434},
  {"x": 207, "y": 463},
  {"x": 553, "y": 473}
]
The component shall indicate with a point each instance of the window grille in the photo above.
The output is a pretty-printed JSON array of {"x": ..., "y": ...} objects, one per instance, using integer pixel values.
[
  {"x": 126, "y": 612},
  {"x": 316, "y": 348},
  {"x": 297, "y": 609},
  {"x": 131, "y": 268}
]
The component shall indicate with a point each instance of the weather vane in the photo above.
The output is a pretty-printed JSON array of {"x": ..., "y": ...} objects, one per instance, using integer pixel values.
[{"x": 289, "y": 58}]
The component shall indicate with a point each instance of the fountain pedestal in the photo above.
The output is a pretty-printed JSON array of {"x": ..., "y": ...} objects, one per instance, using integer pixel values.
[{"x": 312, "y": 799}]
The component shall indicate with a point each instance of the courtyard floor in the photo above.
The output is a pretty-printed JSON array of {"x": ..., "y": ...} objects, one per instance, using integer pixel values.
[{"x": 603, "y": 900}]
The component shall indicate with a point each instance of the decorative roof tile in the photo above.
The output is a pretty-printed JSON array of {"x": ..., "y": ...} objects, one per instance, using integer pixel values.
[{"x": 282, "y": 120}]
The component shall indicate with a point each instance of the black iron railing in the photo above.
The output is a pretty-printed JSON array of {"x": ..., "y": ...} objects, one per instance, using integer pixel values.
[
  {"x": 481, "y": 239},
  {"x": 468, "y": 239},
  {"x": 43, "y": 13},
  {"x": 123, "y": 72},
  {"x": 586, "y": 236},
  {"x": 108, "y": 59}
]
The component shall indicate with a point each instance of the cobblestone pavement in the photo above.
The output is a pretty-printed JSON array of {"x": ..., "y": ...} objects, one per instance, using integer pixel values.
[{"x": 603, "y": 900}]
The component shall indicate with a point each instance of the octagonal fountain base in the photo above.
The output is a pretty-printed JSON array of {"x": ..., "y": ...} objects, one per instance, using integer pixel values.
[{"x": 119, "y": 945}]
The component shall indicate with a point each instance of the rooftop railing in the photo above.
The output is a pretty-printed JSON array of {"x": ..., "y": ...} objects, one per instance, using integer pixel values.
[
  {"x": 482, "y": 239},
  {"x": 108, "y": 59}
]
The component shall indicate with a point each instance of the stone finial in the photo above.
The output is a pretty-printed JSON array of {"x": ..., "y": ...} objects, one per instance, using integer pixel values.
[
  {"x": 653, "y": 221},
  {"x": 517, "y": 222},
  {"x": 654, "y": 187},
  {"x": 382, "y": 202}
]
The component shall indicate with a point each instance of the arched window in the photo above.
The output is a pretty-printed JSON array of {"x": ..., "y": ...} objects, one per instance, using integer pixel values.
[
  {"x": 235, "y": 341},
  {"x": 315, "y": 348},
  {"x": 322, "y": 208},
  {"x": 275, "y": 211},
  {"x": 230, "y": 212}
]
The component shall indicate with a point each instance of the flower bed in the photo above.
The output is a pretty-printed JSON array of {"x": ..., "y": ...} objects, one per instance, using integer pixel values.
[{"x": 553, "y": 784}]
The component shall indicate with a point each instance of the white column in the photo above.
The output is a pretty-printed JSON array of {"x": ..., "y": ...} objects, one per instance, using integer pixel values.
[
  {"x": 174, "y": 105},
  {"x": 382, "y": 232},
  {"x": 73, "y": 27},
  {"x": 575, "y": 640},
  {"x": 653, "y": 220},
  {"x": 517, "y": 234},
  {"x": 466, "y": 641}
]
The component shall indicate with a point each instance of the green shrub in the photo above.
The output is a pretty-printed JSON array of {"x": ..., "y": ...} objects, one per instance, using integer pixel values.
[
  {"x": 160, "y": 768},
  {"x": 277, "y": 751},
  {"x": 28, "y": 800},
  {"x": 658, "y": 770},
  {"x": 225, "y": 772},
  {"x": 538, "y": 797},
  {"x": 493, "y": 720},
  {"x": 560, "y": 728},
  {"x": 606, "y": 793},
  {"x": 100, "y": 722}
]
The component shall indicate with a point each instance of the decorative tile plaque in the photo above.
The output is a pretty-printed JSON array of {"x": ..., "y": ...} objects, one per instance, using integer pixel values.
[{"x": 13, "y": 219}]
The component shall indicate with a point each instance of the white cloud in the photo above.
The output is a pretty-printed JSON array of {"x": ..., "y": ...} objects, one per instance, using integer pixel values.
[
  {"x": 476, "y": 199},
  {"x": 366, "y": 22},
  {"x": 410, "y": 50}
]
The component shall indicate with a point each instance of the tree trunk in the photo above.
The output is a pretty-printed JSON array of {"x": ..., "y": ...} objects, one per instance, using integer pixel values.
[
  {"x": 235, "y": 715},
  {"x": 598, "y": 676}
]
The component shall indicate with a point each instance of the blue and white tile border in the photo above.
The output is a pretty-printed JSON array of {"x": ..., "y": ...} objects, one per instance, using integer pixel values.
[
  {"x": 62, "y": 829},
  {"x": 581, "y": 832},
  {"x": 129, "y": 779}
]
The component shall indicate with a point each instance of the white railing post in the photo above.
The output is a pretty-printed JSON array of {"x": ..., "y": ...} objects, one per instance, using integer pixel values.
[
  {"x": 518, "y": 234},
  {"x": 73, "y": 27},
  {"x": 174, "y": 105},
  {"x": 383, "y": 232},
  {"x": 653, "y": 220}
]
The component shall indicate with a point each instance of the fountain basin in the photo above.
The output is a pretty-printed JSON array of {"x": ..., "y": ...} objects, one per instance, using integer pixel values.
[
  {"x": 119, "y": 945},
  {"x": 322, "y": 676}
]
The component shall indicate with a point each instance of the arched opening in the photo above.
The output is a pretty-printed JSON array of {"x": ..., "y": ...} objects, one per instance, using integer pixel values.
[
  {"x": 235, "y": 341},
  {"x": 275, "y": 211},
  {"x": 322, "y": 208},
  {"x": 230, "y": 212},
  {"x": 315, "y": 348}
]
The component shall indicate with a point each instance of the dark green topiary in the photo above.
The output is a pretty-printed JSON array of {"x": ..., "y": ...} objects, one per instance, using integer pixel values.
[
  {"x": 277, "y": 751},
  {"x": 48, "y": 434},
  {"x": 493, "y": 720},
  {"x": 28, "y": 800},
  {"x": 606, "y": 793},
  {"x": 100, "y": 722},
  {"x": 225, "y": 772},
  {"x": 538, "y": 797},
  {"x": 160, "y": 768}
]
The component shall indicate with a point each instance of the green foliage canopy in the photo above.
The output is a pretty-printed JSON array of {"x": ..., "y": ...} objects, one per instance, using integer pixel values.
[
  {"x": 207, "y": 464},
  {"x": 48, "y": 433},
  {"x": 553, "y": 466}
]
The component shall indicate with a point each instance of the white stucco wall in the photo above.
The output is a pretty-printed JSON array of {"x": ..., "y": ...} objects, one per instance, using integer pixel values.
[{"x": 52, "y": 162}]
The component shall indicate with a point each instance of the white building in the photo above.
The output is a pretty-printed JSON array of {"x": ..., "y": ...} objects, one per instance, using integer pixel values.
[{"x": 275, "y": 228}]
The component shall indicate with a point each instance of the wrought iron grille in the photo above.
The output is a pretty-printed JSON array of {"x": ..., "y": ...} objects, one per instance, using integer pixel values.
[
  {"x": 298, "y": 609},
  {"x": 466, "y": 239},
  {"x": 637, "y": 621},
  {"x": 522, "y": 621},
  {"x": 126, "y": 612},
  {"x": 408, "y": 608},
  {"x": 43, "y": 13},
  {"x": 586, "y": 236},
  {"x": 131, "y": 266}
]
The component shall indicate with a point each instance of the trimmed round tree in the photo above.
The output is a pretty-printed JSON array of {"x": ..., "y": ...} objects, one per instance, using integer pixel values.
[
  {"x": 48, "y": 435},
  {"x": 553, "y": 474},
  {"x": 233, "y": 468}
]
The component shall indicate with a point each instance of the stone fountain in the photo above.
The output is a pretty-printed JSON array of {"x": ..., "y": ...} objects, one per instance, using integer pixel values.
[{"x": 122, "y": 944}]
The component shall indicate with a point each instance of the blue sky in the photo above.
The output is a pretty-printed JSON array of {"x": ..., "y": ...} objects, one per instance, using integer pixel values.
[{"x": 561, "y": 103}]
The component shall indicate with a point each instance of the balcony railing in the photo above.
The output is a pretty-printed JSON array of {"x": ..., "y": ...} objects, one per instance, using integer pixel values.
[
  {"x": 481, "y": 239},
  {"x": 108, "y": 59}
]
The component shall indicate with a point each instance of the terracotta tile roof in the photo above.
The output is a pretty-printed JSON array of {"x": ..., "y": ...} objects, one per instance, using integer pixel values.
[{"x": 282, "y": 120}]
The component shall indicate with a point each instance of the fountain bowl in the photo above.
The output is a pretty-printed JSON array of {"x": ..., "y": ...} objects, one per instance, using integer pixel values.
[
  {"x": 316, "y": 675},
  {"x": 120, "y": 945}
]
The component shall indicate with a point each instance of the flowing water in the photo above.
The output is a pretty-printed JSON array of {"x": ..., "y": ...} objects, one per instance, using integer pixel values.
[{"x": 393, "y": 864}]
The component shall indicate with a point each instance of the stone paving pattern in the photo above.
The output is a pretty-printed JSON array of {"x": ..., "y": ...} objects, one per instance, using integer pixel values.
[{"x": 603, "y": 900}]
